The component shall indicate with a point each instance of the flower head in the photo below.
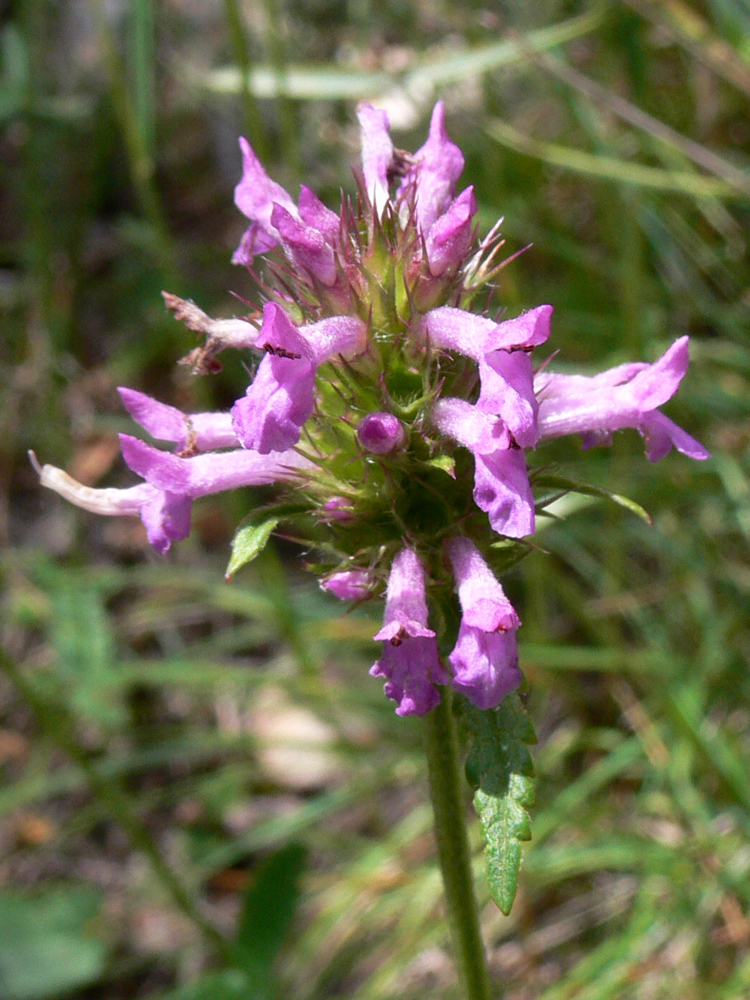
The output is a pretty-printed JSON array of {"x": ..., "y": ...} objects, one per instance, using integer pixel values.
[{"x": 376, "y": 391}]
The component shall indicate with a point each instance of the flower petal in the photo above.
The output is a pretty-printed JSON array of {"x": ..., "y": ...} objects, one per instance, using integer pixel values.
[
  {"x": 661, "y": 434},
  {"x": 314, "y": 213},
  {"x": 482, "y": 598},
  {"x": 210, "y": 473},
  {"x": 507, "y": 390},
  {"x": 349, "y": 585},
  {"x": 410, "y": 660},
  {"x": 255, "y": 196},
  {"x": 475, "y": 336},
  {"x": 377, "y": 153},
  {"x": 198, "y": 431},
  {"x": 474, "y": 429},
  {"x": 306, "y": 247},
  {"x": 438, "y": 165},
  {"x": 502, "y": 490},
  {"x": 626, "y": 396},
  {"x": 449, "y": 239},
  {"x": 485, "y": 665}
]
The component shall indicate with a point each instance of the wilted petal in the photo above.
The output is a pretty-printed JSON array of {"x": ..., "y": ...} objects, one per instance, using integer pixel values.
[
  {"x": 507, "y": 390},
  {"x": 502, "y": 490},
  {"x": 626, "y": 396},
  {"x": 210, "y": 473},
  {"x": 166, "y": 516},
  {"x": 255, "y": 196},
  {"x": 449, "y": 239},
  {"x": 349, "y": 585},
  {"x": 438, "y": 165},
  {"x": 305, "y": 247},
  {"x": 197, "y": 432},
  {"x": 410, "y": 660},
  {"x": 377, "y": 153}
]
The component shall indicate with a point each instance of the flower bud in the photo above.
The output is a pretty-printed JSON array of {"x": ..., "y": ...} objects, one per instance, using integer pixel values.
[
  {"x": 348, "y": 585},
  {"x": 380, "y": 433}
]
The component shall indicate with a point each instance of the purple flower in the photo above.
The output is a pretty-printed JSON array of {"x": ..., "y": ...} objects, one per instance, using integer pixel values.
[
  {"x": 501, "y": 481},
  {"x": 502, "y": 490},
  {"x": 305, "y": 246},
  {"x": 626, "y": 396},
  {"x": 280, "y": 398},
  {"x": 410, "y": 660},
  {"x": 255, "y": 196},
  {"x": 361, "y": 329},
  {"x": 194, "y": 432},
  {"x": 377, "y": 154},
  {"x": 166, "y": 516},
  {"x": 210, "y": 473},
  {"x": 485, "y": 657},
  {"x": 349, "y": 584},
  {"x": 477, "y": 336},
  {"x": 449, "y": 239},
  {"x": 432, "y": 180},
  {"x": 380, "y": 433}
]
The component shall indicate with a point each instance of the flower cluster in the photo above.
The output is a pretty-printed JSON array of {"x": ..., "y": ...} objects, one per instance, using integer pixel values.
[{"x": 377, "y": 391}]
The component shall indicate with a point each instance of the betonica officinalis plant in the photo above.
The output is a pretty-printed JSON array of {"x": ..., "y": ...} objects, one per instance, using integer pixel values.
[{"x": 398, "y": 411}]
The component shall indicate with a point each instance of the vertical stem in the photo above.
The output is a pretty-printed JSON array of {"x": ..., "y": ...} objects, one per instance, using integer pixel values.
[{"x": 441, "y": 747}]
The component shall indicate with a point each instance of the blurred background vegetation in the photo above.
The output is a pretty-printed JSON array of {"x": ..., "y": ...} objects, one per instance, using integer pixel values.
[{"x": 188, "y": 763}]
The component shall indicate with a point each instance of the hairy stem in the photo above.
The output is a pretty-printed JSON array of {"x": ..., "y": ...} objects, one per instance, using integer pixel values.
[{"x": 441, "y": 747}]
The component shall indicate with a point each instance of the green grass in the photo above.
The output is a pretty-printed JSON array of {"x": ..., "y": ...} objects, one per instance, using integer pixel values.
[{"x": 156, "y": 712}]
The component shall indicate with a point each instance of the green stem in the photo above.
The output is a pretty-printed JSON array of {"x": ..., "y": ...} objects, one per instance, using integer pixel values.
[
  {"x": 441, "y": 747},
  {"x": 254, "y": 129},
  {"x": 59, "y": 727}
]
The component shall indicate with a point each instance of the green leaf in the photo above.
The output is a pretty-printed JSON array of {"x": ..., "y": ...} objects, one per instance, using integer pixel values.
[
  {"x": 501, "y": 769},
  {"x": 270, "y": 906},
  {"x": 570, "y": 485},
  {"x": 45, "y": 950},
  {"x": 248, "y": 543}
]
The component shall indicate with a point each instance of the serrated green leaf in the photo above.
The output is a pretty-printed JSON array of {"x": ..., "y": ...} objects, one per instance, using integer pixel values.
[
  {"x": 248, "y": 543},
  {"x": 501, "y": 768},
  {"x": 562, "y": 483}
]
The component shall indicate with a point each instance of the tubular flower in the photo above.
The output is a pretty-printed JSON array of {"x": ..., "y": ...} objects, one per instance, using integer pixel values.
[
  {"x": 485, "y": 658},
  {"x": 410, "y": 661},
  {"x": 376, "y": 393}
]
